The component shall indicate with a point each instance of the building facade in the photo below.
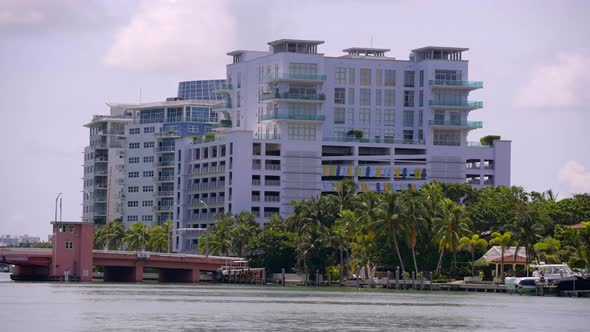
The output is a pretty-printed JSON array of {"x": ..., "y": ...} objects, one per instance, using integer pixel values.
[
  {"x": 303, "y": 122},
  {"x": 290, "y": 124}
]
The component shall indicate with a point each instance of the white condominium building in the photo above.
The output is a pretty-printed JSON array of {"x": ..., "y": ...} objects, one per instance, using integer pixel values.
[{"x": 303, "y": 122}]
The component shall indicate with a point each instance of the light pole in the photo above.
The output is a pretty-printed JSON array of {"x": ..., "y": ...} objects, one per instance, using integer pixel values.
[
  {"x": 206, "y": 232},
  {"x": 58, "y": 196}
]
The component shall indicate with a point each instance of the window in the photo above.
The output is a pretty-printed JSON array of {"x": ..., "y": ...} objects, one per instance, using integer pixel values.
[
  {"x": 71, "y": 228},
  {"x": 446, "y": 137},
  {"x": 389, "y": 98},
  {"x": 302, "y": 68},
  {"x": 388, "y": 133},
  {"x": 420, "y": 118},
  {"x": 351, "y": 78},
  {"x": 455, "y": 116},
  {"x": 409, "y": 78},
  {"x": 133, "y": 174},
  {"x": 365, "y": 97},
  {"x": 389, "y": 117},
  {"x": 147, "y": 203},
  {"x": 378, "y": 97},
  {"x": 421, "y": 78},
  {"x": 148, "y": 159},
  {"x": 174, "y": 114},
  {"x": 133, "y": 189},
  {"x": 69, "y": 245},
  {"x": 408, "y": 118},
  {"x": 133, "y": 131},
  {"x": 148, "y": 189},
  {"x": 148, "y": 145},
  {"x": 149, "y": 130},
  {"x": 350, "y": 96},
  {"x": 132, "y": 203},
  {"x": 238, "y": 99},
  {"x": 148, "y": 174},
  {"x": 132, "y": 218},
  {"x": 365, "y": 76},
  {"x": 389, "y": 78},
  {"x": 133, "y": 146},
  {"x": 302, "y": 132},
  {"x": 365, "y": 117},
  {"x": 408, "y": 135},
  {"x": 350, "y": 117},
  {"x": 147, "y": 218},
  {"x": 420, "y": 134},
  {"x": 134, "y": 160},
  {"x": 339, "y": 115},
  {"x": 378, "y": 77},
  {"x": 447, "y": 75},
  {"x": 421, "y": 98},
  {"x": 408, "y": 98},
  {"x": 339, "y": 95},
  {"x": 340, "y": 75}
]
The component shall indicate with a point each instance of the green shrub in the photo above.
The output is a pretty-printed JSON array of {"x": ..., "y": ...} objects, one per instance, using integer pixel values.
[{"x": 489, "y": 140}]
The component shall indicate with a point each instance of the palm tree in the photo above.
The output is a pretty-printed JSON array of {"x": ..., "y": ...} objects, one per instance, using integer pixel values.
[
  {"x": 449, "y": 228},
  {"x": 471, "y": 244},
  {"x": 391, "y": 223},
  {"x": 342, "y": 231},
  {"x": 345, "y": 197},
  {"x": 526, "y": 229},
  {"x": 158, "y": 238},
  {"x": 243, "y": 231},
  {"x": 219, "y": 235},
  {"x": 412, "y": 213},
  {"x": 136, "y": 236},
  {"x": 503, "y": 240}
]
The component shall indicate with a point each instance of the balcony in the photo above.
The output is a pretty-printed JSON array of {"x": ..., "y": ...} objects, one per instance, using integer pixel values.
[
  {"x": 459, "y": 124},
  {"x": 166, "y": 178},
  {"x": 223, "y": 88},
  {"x": 272, "y": 182},
  {"x": 170, "y": 134},
  {"x": 298, "y": 117},
  {"x": 207, "y": 170},
  {"x": 448, "y": 105},
  {"x": 206, "y": 186},
  {"x": 164, "y": 149},
  {"x": 102, "y": 186},
  {"x": 289, "y": 97},
  {"x": 207, "y": 200},
  {"x": 272, "y": 167},
  {"x": 272, "y": 198},
  {"x": 222, "y": 106},
  {"x": 165, "y": 193},
  {"x": 199, "y": 140},
  {"x": 101, "y": 159},
  {"x": 268, "y": 214},
  {"x": 472, "y": 144},
  {"x": 165, "y": 163},
  {"x": 267, "y": 136},
  {"x": 111, "y": 132},
  {"x": 255, "y": 198},
  {"x": 255, "y": 182},
  {"x": 374, "y": 140},
  {"x": 462, "y": 85},
  {"x": 163, "y": 208},
  {"x": 201, "y": 216},
  {"x": 287, "y": 77},
  {"x": 191, "y": 232}
]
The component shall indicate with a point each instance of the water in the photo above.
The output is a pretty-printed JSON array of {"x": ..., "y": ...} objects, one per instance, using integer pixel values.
[{"x": 163, "y": 307}]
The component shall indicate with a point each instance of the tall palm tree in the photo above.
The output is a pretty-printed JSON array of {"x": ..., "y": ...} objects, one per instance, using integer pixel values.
[
  {"x": 136, "y": 236},
  {"x": 412, "y": 213},
  {"x": 449, "y": 228},
  {"x": 219, "y": 235},
  {"x": 345, "y": 197},
  {"x": 503, "y": 240},
  {"x": 243, "y": 231},
  {"x": 342, "y": 231},
  {"x": 391, "y": 224},
  {"x": 471, "y": 244},
  {"x": 158, "y": 238},
  {"x": 526, "y": 229}
]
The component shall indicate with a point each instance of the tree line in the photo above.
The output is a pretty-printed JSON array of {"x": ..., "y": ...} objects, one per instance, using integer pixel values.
[
  {"x": 139, "y": 236},
  {"x": 442, "y": 228}
]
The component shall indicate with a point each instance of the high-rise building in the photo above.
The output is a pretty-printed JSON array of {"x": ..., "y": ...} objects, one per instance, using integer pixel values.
[{"x": 303, "y": 122}]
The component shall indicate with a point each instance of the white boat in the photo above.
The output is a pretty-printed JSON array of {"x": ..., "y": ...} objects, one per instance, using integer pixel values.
[{"x": 546, "y": 274}]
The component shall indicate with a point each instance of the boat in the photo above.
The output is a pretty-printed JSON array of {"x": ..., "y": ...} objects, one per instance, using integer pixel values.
[{"x": 560, "y": 276}]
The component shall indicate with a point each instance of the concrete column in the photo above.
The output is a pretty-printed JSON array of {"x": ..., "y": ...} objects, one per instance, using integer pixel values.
[
  {"x": 196, "y": 276},
  {"x": 138, "y": 277}
]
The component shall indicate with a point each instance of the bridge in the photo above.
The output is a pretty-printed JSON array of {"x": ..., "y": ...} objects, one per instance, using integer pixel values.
[{"x": 72, "y": 258}]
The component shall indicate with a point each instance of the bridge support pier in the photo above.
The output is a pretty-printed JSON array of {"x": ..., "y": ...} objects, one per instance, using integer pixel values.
[
  {"x": 196, "y": 276},
  {"x": 138, "y": 271}
]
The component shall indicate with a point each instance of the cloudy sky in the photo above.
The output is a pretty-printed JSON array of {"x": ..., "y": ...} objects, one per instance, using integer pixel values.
[{"x": 60, "y": 61}]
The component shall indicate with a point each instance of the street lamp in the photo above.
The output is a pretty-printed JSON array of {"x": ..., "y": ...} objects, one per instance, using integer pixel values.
[
  {"x": 58, "y": 196},
  {"x": 206, "y": 231}
]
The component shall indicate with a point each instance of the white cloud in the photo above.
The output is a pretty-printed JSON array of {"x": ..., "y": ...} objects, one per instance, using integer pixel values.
[
  {"x": 558, "y": 86},
  {"x": 191, "y": 36},
  {"x": 574, "y": 177}
]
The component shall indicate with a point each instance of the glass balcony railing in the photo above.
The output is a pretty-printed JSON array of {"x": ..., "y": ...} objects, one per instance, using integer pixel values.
[
  {"x": 222, "y": 106},
  {"x": 285, "y": 95},
  {"x": 298, "y": 77},
  {"x": 477, "y": 145},
  {"x": 374, "y": 140},
  {"x": 468, "y": 104},
  {"x": 466, "y": 84},
  {"x": 223, "y": 86},
  {"x": 267, "y": 136},
  {"x": 466, "y": 124},
  {"x": 309, "y": 117}
]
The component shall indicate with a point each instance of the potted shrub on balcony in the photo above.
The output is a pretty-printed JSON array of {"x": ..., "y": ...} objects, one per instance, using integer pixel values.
[
  {"x": 489, "y": 140},
  {"x": 225, "y": 123},
  {"x": 358, "y": 134}
]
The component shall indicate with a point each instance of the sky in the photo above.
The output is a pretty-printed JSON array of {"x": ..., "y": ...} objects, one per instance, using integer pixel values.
[{"x": 61, "y": 60}]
